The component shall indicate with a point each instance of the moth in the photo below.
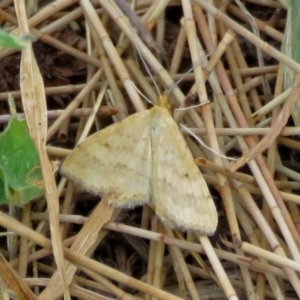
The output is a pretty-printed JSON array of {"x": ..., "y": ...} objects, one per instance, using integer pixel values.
[{"x": 145, "y": 159}]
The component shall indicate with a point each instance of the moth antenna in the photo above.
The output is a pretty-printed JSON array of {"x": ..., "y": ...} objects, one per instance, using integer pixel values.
[
  {"x": 203, "y": 144},
  {"x": 148, "y": 71},
  {"x": 190, "y": 107},
  {"x": 186, "y": 74},
  {"x": 142, "y": 95}
]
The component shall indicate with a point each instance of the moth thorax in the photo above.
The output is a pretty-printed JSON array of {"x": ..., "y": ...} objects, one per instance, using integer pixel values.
[{"x": 164, "y": 102}]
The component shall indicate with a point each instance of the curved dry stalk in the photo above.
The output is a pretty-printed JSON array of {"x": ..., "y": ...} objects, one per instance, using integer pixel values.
[{"x": 274, "y": 132}]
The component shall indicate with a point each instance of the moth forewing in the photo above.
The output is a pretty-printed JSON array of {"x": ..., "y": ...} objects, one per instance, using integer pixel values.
[
  {"x": 141, "y": 157},
  {"x": 115, "y": 161},
  {"x": 180, "y": 193}
]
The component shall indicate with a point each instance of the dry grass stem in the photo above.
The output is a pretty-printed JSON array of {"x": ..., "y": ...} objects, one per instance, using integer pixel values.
[{"x": 93, "y": 63}]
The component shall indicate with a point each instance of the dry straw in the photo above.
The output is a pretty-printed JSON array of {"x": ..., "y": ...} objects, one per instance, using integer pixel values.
[{"x": 234, "y": 102}]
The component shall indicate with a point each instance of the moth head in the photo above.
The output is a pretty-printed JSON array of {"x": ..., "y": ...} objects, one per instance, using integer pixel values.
[{"x": 164, "y": 102}]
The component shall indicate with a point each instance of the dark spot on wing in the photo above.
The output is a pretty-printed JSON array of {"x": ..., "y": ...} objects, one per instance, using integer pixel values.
[{"x": 106, "y": 145}]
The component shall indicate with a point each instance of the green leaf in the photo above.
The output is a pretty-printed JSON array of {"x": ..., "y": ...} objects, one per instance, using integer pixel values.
[
  {"x": 14, "y": 42},
  {"x": 290, "y": 47},
  {"x": 21, "y": 179},
  {"x": 4, "y": 190}
]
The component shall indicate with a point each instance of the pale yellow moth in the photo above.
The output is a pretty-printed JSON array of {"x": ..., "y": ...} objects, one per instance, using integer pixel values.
[{"x": 145, "y": 159}]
